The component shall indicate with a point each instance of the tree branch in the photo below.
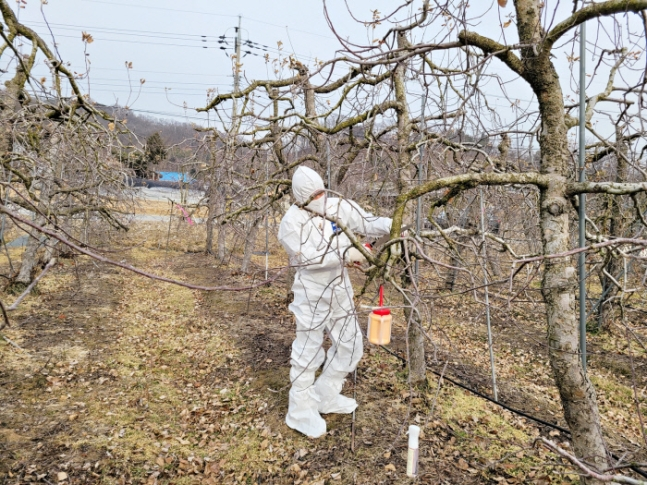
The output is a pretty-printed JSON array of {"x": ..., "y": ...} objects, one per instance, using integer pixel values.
[
  {"x": 24, "y": 294},
  {"x": 491, "y": 47},
  {"x": 470, "y": 180},
  {"x": 613, "y": 188},
  {"x": 592, "y": 11},
  {"x": 281, "y": 83}
]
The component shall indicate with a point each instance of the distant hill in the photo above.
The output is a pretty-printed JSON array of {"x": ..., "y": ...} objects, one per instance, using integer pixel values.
[{"x": 171, "y": 131}]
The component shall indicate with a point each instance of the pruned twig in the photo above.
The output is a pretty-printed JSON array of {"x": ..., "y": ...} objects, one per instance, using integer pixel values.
[
  {"x": 603, "y": 477},
  {"x": 24, "y": 294}
]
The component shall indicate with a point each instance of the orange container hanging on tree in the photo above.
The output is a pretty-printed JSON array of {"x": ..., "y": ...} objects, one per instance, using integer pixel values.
[{"x": 379, "y": 323}]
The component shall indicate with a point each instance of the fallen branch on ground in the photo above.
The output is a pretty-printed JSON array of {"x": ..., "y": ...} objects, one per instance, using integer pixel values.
[
  {"x": 47, "y": 267},
  {"x": 585, "y": 469}
]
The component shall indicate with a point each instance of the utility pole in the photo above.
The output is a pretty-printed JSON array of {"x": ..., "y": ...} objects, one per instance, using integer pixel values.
[
  {"x": 237, "y": 65},
  {"x": 230, "y": 150},
  {"x": 582, "y": 197}
]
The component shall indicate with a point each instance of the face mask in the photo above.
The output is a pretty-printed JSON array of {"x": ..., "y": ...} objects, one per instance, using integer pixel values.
[{"x": 317, "y": 205}]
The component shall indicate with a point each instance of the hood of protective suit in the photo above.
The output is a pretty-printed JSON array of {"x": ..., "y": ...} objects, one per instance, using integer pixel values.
[{"x": 305, "y": 182}]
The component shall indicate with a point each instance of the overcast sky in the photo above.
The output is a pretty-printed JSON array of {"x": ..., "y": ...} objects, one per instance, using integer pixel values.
[{"x": 174, "y": 46}]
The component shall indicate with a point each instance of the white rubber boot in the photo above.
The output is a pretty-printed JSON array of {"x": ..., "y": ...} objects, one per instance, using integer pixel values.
[
  {"x": 328, "y": 388},
  {"x": 303, "y": 415},
  {"x": 338, "y": 405}
]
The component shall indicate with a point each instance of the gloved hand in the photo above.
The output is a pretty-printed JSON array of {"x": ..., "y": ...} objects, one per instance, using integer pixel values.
[{"x": 355, "y": 257}]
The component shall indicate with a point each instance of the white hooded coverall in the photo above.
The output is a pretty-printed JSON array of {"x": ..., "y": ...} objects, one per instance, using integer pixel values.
[{"x": 323, "y": 299}]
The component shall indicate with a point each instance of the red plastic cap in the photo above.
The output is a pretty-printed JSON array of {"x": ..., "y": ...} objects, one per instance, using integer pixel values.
[{"x": 382, "y": 311}]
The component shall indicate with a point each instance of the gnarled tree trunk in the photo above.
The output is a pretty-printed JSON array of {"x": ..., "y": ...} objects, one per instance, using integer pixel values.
[
  {"x": 250, "y": 242},
  {"x": 415, "y": 333},
  {"x": 30, "y": 256},
  {"x": 560, "y": 276}
]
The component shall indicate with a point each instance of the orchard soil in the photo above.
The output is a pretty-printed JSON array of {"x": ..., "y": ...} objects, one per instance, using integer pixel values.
[{"x": 115, "y": 379}]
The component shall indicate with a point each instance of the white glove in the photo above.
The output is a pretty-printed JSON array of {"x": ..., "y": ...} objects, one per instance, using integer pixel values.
[{"x": 354, "y": 256}]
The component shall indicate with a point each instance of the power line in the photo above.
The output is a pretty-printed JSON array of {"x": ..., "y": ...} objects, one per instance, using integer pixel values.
[
  {"x": 131, "y": 42},
  {"x": 111, "y": 30},
  {"x": 167, "y": 83},
  {"x": 135, "y": 92},
  {"x": 157, "y": 72},
  {"x": 208, "y": 13},
  {"x": 202, "y": 41},
  {"x": 161, "y": 113},
  {"x": 261, "y": 47},
  {"x": 147, "y": 7},
  {"x": 293, "y": 30},
  {"x": 212, "y": 14},
  {"x": 159, "y": 89},
  {"x": 136, "y": 84}
]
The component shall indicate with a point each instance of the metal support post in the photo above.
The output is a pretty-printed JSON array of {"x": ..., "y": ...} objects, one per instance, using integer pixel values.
[
  {"x": 495, "y": 392},
  {"x": 267, "y": 220},
  {"x": 582, "y": 197},
  {"x": 328, "y": 170},
  {"x": 421, "y": 155}
]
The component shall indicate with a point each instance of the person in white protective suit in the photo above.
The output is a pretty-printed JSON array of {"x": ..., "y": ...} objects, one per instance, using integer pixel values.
[{"x": 323, "y": 299}]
